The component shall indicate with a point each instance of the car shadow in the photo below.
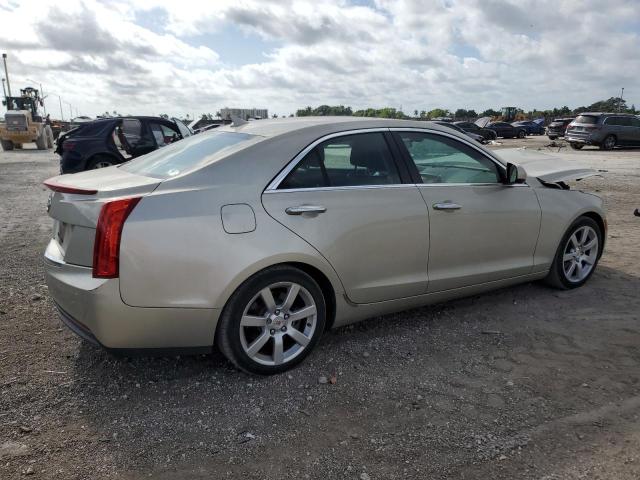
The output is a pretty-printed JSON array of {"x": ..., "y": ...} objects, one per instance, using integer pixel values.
[{"x": 149, "y": 409}]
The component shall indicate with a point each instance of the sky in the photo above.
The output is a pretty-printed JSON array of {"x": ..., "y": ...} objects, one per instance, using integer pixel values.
[{"x": 178, "y": 57}]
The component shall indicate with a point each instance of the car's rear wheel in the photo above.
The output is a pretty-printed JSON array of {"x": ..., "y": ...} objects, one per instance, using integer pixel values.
[
  {"x": 272, "y": 321},
  {"x": 577, "y": 255},
  {"x": 100, "y": 162},
  {"x": 608, "y": 143},
  {"x": 577, "y": 146},
  {"x": 522, "y": 134}
]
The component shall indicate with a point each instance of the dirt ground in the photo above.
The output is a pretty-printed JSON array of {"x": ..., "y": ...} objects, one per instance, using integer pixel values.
[{"x": 525, "y": 382}]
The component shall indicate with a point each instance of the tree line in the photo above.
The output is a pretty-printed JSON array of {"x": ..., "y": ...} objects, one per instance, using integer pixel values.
[{"x": 613, "y": 104}]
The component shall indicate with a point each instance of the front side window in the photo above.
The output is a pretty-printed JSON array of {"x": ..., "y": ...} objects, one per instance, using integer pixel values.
[
  {"x": 444, "y": 160},
  {"x": 350, "y": 160}
]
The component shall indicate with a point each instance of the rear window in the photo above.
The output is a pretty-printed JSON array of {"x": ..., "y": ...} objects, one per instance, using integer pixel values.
[
  {"x": 188, "y": 154},
  {"x": 588, "y": 119}
]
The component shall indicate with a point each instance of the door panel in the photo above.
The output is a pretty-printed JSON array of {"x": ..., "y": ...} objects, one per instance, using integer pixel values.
[
  {"x": 376, "y": 238},
  {"x": 480, "y": 229},
  {"x": 492, "y": 236}
]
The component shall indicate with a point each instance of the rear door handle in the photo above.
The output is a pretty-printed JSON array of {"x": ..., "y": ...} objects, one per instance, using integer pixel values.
[
  {"x": 446, "y": 206},
  {"x": 299, "y": 210}
]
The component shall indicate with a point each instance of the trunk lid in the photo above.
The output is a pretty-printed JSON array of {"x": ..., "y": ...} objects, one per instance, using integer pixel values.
[{"x": 75, "y": 204}]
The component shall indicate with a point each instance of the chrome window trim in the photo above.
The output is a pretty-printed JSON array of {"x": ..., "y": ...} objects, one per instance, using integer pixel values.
[
  {"x": 273, "y": 185},
  {"x": 347, "y": 187}
]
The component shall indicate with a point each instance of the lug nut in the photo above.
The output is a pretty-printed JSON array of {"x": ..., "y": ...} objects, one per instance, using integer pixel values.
[
  {"x": 277, "y": 312},
  {"x": 286, "y": 316},
  {"x": 272, "y": 331},
  {"x": 283, "y": 329},
  {"x": 268, "y": 321}
]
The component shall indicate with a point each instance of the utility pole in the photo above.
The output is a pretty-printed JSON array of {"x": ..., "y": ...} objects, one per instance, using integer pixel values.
[
  {"x": 620, "y": 102},
  {"x": 4, "y": 92},
  {"x": 6, "y": 74}
]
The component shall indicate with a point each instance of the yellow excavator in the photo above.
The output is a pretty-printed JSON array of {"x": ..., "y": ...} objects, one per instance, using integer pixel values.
[{"x": 23, "y": 123}]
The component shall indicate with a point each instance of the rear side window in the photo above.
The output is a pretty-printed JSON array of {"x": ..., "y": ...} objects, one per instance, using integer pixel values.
[
  {"x": 351, "y": 160},
  {"x": 635, "y": 122},
  {"x": 132, "y": 130},
  {"x": 188, "y": 154},
  {"x": 588, "y": 119}
]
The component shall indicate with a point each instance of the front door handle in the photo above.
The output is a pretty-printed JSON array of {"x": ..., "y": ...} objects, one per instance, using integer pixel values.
[
  {"x": 446, "y": 206},
  {"x": 305, "y": 209}
]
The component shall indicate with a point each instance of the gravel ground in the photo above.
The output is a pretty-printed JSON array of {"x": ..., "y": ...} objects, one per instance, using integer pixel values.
[{"x": 525, "y": 382}]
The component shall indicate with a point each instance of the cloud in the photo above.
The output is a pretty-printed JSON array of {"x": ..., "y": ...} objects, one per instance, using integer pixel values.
[{"x": 153, "y": 56}]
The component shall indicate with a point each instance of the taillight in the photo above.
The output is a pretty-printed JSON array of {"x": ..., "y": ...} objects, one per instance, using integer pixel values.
[
  {"x": 68, "y": 145},
  {"x": 106, "y": 248},
  {"x": 58, "y": 187}
]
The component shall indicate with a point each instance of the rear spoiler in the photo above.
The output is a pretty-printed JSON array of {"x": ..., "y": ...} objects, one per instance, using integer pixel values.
[{"x": 53, "y": 185}]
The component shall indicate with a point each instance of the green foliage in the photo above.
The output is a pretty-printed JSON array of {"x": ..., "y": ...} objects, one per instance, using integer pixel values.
[
  {"x": 325, "y": 110},
  {"x": 438, "y": 112}
]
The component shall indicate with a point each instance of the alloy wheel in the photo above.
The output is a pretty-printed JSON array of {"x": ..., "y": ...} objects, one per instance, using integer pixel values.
[
  {"x": 580, "y": 254},
  {"x": 278, "y": 323}
]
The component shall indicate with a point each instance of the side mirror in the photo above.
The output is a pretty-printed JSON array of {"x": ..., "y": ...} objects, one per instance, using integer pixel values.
[{"x": 515, "y": 174}]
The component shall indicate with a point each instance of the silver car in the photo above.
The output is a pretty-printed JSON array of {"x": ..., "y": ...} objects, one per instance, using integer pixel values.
[{"x": 256, "y": 238}]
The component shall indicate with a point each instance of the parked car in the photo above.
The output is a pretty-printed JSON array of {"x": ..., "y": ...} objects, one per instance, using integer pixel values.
[
  {"x": 478, "y": 138},
  {"x": 558, "y": 127},
  {"x": 531, "y": 127},
  {"x": 111, "y": 141},
  {"x": 506, "y": 130},
  {"x": 605, "y": 130},
  {"x": 256, "y": 238},
  {"x": 473, "y": 128}
]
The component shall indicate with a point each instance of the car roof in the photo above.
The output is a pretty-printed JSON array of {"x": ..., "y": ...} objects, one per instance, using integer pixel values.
[
  {"x": 282, "y": 126},
  {"x": 596, "y": 114}
]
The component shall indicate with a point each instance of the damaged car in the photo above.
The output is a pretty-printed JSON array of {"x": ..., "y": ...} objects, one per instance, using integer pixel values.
[
  {"x": 256, "y": 238},
  {"x": 112, "y": 141}
]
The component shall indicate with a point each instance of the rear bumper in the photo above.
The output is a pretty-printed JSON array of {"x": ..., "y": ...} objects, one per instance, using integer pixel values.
[{"x": 92, "y": 308}]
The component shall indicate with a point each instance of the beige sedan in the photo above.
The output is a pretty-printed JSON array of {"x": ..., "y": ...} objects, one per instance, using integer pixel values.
[{"x": 258, "y": 237}]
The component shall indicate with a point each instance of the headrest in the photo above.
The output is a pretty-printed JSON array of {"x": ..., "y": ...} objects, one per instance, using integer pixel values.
[{"x": 367, "y": 156}]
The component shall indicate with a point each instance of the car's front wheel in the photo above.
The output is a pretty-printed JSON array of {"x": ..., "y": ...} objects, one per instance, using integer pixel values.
[
  {"x": 577, "y": 146},
  {"x": 522, "y": 134},
  {"x": 577, "y": 255},
  {"x": 272, "y": 321}
]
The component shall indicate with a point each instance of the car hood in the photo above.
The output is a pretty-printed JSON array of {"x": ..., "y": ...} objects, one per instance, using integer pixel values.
[
  {"x": 483, "y": 121},
  {"x": 545, "y": 167}
]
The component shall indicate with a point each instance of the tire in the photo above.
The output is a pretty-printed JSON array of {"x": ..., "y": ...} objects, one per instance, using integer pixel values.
[
  {"x": 41, "y": 140},
  {"x": 6, "y": 145},
  {"x": 552, "y": 137},
  {"x": 252, "y": 347},
  {"x": 522, "y": 134},
  {"x": 558, "y": 276},
  {"x": 577, "y": 146},
  {"x": 100, "y": 161},
  {"x": 608, "y": 143}
]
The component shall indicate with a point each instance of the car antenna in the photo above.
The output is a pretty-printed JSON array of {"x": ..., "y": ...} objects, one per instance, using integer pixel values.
[{"x": 237, "y": 121}]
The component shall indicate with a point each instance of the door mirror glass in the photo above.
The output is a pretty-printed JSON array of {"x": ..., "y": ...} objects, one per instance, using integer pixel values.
[{"x": 515, "y": 174}]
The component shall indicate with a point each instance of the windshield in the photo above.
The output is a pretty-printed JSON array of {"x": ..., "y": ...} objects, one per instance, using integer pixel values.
[{"x": 189, "y": 154}]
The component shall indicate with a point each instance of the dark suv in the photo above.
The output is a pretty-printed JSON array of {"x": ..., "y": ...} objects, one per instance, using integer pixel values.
[
  {"x": 558, "y": 127},
  {"x": 605, "y": 130},
  {"x": 110, "y": 141}
]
